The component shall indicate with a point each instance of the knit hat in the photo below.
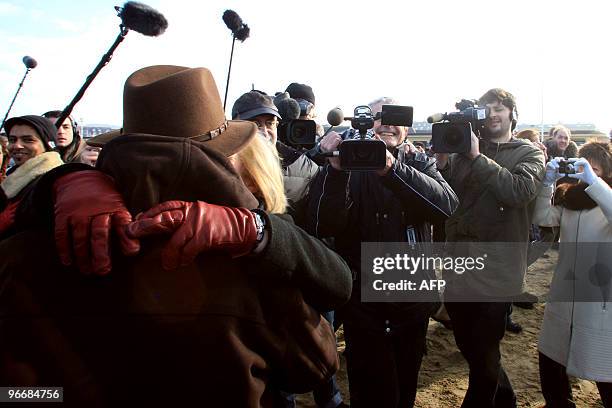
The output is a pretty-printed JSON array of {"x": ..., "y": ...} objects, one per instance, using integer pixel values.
[
  {"x": 44, "y": 128},
  {"x": 301, "y": 91}
]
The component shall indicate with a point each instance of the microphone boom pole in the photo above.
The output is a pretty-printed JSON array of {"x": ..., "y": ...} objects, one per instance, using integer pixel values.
[
  {"x": 241, "y": 32},
  {"x": 103, "y": 62},
  {"x": 134, "y": 16},
  {"x": 229, "y": 72},
  {"x": 15, "y": 97}
]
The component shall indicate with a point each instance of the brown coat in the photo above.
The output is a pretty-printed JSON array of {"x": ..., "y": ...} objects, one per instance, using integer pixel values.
[{"x": 219, "y": 332}]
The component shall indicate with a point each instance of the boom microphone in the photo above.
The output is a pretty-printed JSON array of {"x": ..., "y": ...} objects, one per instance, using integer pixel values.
[
  {"x": 335, "y": 117},
  {"x": 436, "y": 117},
  {"x": 241, "y": 32},
  {"x": 29, "y": 62},
  {"x": 233, "y": 21},
  {"x": 142, "y": 18},
  {"x": 134, "y": 16}
]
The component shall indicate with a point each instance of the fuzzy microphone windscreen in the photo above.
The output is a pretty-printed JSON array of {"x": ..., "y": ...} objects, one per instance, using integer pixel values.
[
  {"x": 233, "y": 21},
  {"x": 142, "y": 18}
]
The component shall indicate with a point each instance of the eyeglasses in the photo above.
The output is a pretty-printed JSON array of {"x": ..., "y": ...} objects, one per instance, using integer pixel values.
[{"x": 269, "y": 124}]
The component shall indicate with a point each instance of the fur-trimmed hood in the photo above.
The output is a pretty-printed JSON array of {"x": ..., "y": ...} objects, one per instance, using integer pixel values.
[
  {"x": 574, "y": 197},
  {"x": 30, "y": 170}
]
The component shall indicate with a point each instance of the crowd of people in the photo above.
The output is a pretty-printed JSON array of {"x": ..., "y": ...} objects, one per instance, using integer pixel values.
[{"x": 190, "y": 258}]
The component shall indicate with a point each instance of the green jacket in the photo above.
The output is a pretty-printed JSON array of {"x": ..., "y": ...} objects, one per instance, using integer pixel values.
[{"x": 494, "y": 214}]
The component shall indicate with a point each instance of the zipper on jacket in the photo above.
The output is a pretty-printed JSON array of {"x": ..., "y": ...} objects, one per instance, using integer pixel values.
[{"x": 574, "y": 280}]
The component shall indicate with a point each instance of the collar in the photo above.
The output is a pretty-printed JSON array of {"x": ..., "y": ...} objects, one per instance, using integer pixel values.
[{"x": 30, "y": 170}]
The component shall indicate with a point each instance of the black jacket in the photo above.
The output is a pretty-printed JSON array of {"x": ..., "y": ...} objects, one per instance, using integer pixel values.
[{"x": 355, "y": 207}]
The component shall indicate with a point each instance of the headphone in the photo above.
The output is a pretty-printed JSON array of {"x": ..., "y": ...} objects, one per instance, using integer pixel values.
[
  {"x": 514, "y": 112},
  {"x": 514, "y": 117},
  {"x": 57, "y": 114}
]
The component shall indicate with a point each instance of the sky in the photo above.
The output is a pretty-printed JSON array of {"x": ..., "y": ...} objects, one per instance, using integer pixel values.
[{"x": 554, "y": 56}]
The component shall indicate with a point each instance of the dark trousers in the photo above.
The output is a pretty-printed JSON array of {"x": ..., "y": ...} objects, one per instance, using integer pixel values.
[
  {"x": 478, "y": 330},
  {"x": 556, "y": 387},
  {"x": 383, "y": 365}
]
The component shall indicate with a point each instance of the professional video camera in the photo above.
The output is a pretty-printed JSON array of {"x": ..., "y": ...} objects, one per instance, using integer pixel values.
[
  {"x": 298, "y": 133},
  {"x": 363, "y": 152},
  {"x": 454, "y": 133}
]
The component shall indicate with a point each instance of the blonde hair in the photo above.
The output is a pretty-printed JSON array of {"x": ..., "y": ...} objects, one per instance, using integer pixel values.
[{"x": 261, "y": 164}]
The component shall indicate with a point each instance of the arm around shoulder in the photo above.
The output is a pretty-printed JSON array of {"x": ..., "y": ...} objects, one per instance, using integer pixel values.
[{"x": 292, "y": 254}]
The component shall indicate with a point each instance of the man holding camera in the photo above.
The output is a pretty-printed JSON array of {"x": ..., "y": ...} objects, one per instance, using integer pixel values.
[
  {"x": 495, "y": 181},
  {"x": 298, "y": 168},
  {"x": 385, "y": 342}
]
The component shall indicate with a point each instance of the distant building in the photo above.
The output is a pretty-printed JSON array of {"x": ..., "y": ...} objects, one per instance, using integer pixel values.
[{"x": 88, "y": 131}]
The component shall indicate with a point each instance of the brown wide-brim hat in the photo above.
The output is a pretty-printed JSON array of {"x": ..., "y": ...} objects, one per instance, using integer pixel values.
[{"x": 182, "y": 102}]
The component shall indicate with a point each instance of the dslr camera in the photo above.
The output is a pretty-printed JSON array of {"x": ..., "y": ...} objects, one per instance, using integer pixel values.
[
  {"x": 363, "y": 152},
  {"x": 453, "y": 133}
]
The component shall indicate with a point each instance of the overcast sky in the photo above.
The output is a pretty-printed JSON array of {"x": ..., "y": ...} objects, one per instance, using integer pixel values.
[{"x": 553, "y": 55}]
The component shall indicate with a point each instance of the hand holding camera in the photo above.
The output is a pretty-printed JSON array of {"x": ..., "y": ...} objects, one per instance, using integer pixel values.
[
  {"x": 474, "y": 151},
  {"x": 389, "y": 159},
  {"x": 587, "y": 175},
  {"x": 330, "y": 143},
  {"x": 552, "y": 172},
  {"x": 360, "y": 150}
]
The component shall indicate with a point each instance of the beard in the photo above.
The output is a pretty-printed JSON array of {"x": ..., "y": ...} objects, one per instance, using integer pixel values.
[{"x": 488, "y": 134}]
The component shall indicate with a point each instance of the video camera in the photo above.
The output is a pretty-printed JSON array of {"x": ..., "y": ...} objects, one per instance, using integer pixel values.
[
  {"x": 298, "y": 133},
  {"x": 363, "y": 153},
  {"x": 454, "y": 132}
]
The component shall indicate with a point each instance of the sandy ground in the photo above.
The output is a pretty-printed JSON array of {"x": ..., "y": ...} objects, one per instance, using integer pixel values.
[{"x": 443, "y": 378}]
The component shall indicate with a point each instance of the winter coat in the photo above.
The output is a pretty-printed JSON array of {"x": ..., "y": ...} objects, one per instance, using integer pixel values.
[
  {"x": 17, "y": 185},
  {"x": 298, "y": 172},
  {"x": 577, "y": 330},
  {"x": 218, "y": 332},
  {"x": 493, "y": 217},
  {"x": 356, "y": 207}
]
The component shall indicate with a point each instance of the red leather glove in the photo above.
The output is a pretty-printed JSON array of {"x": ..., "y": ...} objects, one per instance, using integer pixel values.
[
  {"x": 7, "y": 216},
  {"x": 199, "y": 227},
  {"x": 87, "y": 208}
]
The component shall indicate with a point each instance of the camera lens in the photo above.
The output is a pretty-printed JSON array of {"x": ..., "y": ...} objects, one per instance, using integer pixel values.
[
  {"x": 454, "y": 136},
  {"x": 361, "y": 152}
]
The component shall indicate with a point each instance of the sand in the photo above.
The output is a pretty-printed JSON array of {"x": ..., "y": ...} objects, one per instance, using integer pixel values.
[{"x": 443, "y": 378}]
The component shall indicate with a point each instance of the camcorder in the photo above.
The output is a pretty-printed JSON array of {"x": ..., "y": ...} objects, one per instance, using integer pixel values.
[
  {"x": 453, "y": 133},
  {"x": 566, "y": 167},
  {"x": 292, "y": 131},
  {"x": 363, "y": 152},
  {"x": 298, "y": 133}
]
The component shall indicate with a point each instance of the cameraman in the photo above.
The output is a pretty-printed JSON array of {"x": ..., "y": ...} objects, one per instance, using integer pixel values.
[
  {"x": 385, "y": 342},
  {"x": 495, "y": 182}
]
